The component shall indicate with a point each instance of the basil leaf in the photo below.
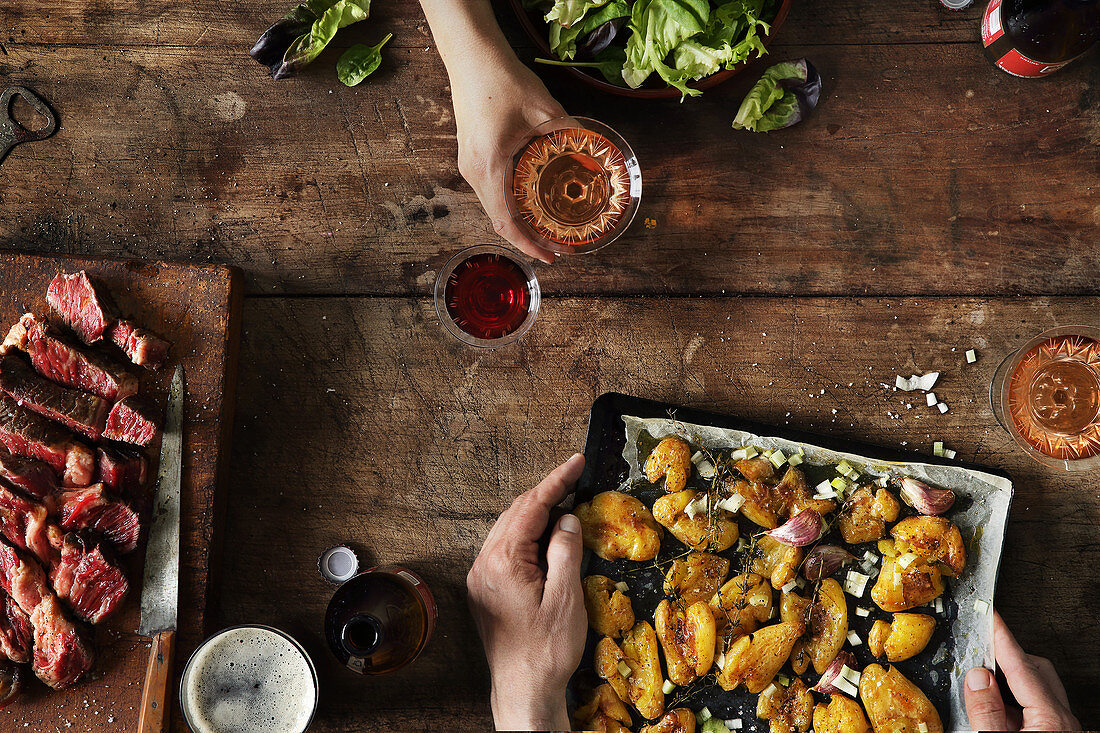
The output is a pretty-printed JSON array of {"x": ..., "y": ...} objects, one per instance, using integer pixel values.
[
  {"x": 301, "y": 35},
  {"x": 784, "y": 96},
  {"x": 359, "y": 62}
]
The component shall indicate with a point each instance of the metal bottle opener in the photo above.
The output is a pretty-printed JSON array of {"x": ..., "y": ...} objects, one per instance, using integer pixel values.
[{"x": 11, "y": 132}]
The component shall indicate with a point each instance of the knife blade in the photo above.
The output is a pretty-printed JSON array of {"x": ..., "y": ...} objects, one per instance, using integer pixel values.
[{"x": 160, "y": 587}]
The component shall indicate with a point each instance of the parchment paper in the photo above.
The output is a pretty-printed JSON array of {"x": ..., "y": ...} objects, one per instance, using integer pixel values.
[{"x": 982, "y": 524}]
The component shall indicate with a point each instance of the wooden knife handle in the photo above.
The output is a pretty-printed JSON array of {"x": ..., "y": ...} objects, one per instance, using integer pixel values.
[{"x": 155, "y": 702}]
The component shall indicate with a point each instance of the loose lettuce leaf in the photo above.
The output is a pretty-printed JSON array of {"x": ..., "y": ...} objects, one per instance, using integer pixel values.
[
  {"x": 569, "y": 12},
  {"x": 730, "y": 20},
  {"x": 658, "y": 27},
  {"x": 784, "y": 96},
  {"x": 315, "y": 23},
  {"x": 608, "y": 62},
  {"x": 563, "y": 41},
  {"x": 359, "y": 62}
]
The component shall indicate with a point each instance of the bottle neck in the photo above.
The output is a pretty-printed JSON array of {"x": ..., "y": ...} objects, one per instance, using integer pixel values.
[{"x": 361, "y": 635}]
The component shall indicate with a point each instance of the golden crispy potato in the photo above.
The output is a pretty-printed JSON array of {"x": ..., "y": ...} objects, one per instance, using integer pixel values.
[
  {"x": 899, "y": 589},
  {"x": 793, "y": 607},
  {"x": 795, "y": 495},
  {"x": 680, "y": 720},
  {"x": 696, "y": 577},
  {"x": 715, "y": 530},
  {"x": 672, "y": 460},
  {"x": 756, "y": 469},
  {"x": 828, "y": 625},
  {"x": 615, "y": 525},
  {"x": 754, "y": 660},
  {"x": 775, "y": 561},
  {"x": 841, "y": 715},
  {"x": 865, "y": 515},
  {"x": 894, "y": 704},
  {"x": 638, "y": 650},
  {"x": 604, "y": 713},
  {"x": 741, "y": 605},
  {"x": 766, "y": 504},
  {"x": 758, "y": 502},
  {"x": 788, "y": 709},
  {"x": 609, "y": 610},
  {"x": 905, "y": 638},
  {"x": 687, "y": 638},
  {"x": 933, "y": 539}
]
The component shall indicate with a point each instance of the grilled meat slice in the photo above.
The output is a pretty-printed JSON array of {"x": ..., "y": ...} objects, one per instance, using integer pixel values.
[
  {"x": 122, "y": 470},
  {"x": 31, "y": 476},
  {"x": 76, "y": 410},
  {"x": 87, "y": 578},
  {"x": 57, "y": 358},
  {"x": 27, "y": 434},
  {"x": 133, "y": 420},
  {"x": 84, "y": 306},
  {"x": 25, "y": 523},
  {"x": 16, "y": 634},
  {"x": 143, "y": 347},
  {"x": 93, "y": 508}
]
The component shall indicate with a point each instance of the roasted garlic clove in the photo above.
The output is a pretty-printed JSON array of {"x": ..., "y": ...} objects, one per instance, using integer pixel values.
[
  {"x": 932, "y": 539},
  {"x": 802, "y": 529},
  {"x": 637, "y": 654},
  {"x": 824, "y": 560},
  {"x": 604, "y": 712},
  {"x": 894, "y": 704},
  {"x": 906, "y": 637},
  {"x": 702, "y": 529},
  {"x": 687, "y": 638},
  {"x": 680, "y": 720},
  {"x": 696, "y": 577},
  {"x": 775, "y": 561},
  {"x": 788, "y": 709},
  {"x": 841, "y": 715},
  {"x": 671, "y": 459},
  {"x": 615, "y": 525},
  {"x": 865, "y": 515},
  {"x": 609, "y": 610},
  {"x": 924, "y": 498},
  {"x": 754, "y": 660}
]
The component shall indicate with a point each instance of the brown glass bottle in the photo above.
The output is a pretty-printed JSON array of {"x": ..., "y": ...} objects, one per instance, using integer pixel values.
[
  {"x": 1034, "y": 38},
  {"x": 380, "y": 620}
]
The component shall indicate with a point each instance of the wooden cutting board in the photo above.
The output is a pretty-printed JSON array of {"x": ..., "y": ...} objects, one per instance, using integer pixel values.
[{"x": 198, "y": 309}]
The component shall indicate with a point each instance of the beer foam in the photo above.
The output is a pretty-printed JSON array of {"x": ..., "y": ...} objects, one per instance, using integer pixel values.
[{"x": 249, "y": 680}]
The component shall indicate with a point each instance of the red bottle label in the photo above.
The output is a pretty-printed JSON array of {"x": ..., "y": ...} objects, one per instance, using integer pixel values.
[{"x": 1007, "y": 57}]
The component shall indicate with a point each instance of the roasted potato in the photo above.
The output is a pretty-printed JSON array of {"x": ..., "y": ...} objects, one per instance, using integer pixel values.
[
  {"x": 604, "y": 713},
  {"x": 638, "y": 650},
  {"x": 841, "y": 715},
  {"x": 933, "y": 539},
  {"x": 758, "y": 506},
  {"x": 795, "y": 495},
  {"x": 696, "y": 577},
  {"x": 609, "y": 610},
  {"x": 788, "y": 709},
  {"x": 741, "y": 605},
  {"x": 680, "y": 720},
  {"x": 865, "y": 515},
  {"x": 899, "y": 589},
  {"x": 894, "y": 704},
  {"x": 766, "y": 504},
  {"x": 756, "y": 469},
  {"x": 615, "y": 525},
  {"x": 687, "y": 638},
  {"x": 906, "y": 637},
  {"x": 715, "y": 530},
  {"x": 754, "y": 660},
  {"x": 828, "y": 626},
  {"x": 672, "y": 460},
  {"x": 775, "y": 561},
  {"x": 793, "y": 607}
]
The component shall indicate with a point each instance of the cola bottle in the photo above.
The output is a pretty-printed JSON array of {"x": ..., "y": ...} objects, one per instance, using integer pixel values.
[{"x": 1033, "y": 38}]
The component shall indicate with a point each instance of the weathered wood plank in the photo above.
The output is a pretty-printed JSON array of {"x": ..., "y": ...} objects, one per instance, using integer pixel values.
[
  {"x": 960, "y": 181},
  {"x": 361, "y": 421},
  {"x": 210, "y": 23}
]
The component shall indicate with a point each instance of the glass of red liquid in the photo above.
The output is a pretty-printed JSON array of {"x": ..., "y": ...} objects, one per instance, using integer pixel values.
[
  {"x": 486, "y": 296},
  {"x": 573, "y": 185},
  {"x": 1046, "y": 394}
]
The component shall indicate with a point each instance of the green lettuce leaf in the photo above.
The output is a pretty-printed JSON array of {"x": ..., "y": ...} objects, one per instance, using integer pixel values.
[
  {"x": 784, "y": 96},
  {"x": 309, "y": 46},
  {"x": 658, "y": 27},
  {"x": 359, "y": 62},
  {"x": 568, "y": 12},
  {"x": 611, "y": 11},
  {"x": 563, "y": 41}
]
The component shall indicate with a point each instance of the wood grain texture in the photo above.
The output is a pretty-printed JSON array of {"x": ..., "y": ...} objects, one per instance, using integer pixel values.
[
  {"x": 361, "y": 421},
  {"x": 924, "y": 170},
  {"x": 160, "y": 684},
  {"x": 198, "y": 310}
]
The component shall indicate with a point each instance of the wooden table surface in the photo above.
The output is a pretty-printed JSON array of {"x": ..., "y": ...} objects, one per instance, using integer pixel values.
[{"x": 932, "y": 204}]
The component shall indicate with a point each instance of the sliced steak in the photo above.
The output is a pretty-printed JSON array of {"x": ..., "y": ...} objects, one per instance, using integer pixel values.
[
  {"x": 57, "y": 358},
  {"x": 88, "y": 579},
  {"x": 84, "y": 306},
  {"x": 33, "y": 477},
  {"x": 33, "y": 436},
  {"x": 143, "y": 347},
  {"x": 76, "y": 410},
  {"x": 122, "y": 470},
  {"x": 16, "y": 634},
  {"x": 134, "y": 420},
  {"x": 25, "y": 523},
  {"x": 93, "y": 508},
  {"x": 63, "y": 653}
]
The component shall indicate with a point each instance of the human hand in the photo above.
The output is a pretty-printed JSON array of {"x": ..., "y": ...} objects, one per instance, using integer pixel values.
[
  {"x": 1032, "y": 680},
  {"x": 529, "y": 610}
]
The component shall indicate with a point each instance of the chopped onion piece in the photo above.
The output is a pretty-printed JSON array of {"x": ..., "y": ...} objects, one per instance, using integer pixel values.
[
  {"x": 870, "y": 556},
  {"x": 668, "y": 687},
  {"x": 823, "y": 486},
  {"x": 922, "y": 727},
  {"x": 928, "y": 381},
  {"x": 624, "y": 669},
  {"x": 852, "y": 675},
  {"x": 795, "y": 460},
  {"x": 907, "y": 559},
  {"x": 769, "y": 691},
  {"x": 622, "y": 587},
  {"x": 971, "y": 357},
  {"x": 905, "y": 385},
  {"x": 942, "y": 407},
  {"x": 981, "y": 606},
  {"x": 839, "y": 484},
  {"x": 777, "y": 458},
  {"x": 937, "y": 448},
  {"x": 853, "y": 638},
  {"x": 783, "y": 679},
  {"x": 732, "y": 504},
  {"x": 939, "y": 605},
  {"x": 705, "y": 714},
  {"x": 864, "y": 612},
  {"x": 720, "y": 661},
  {"x": 931, "y": 399},
  {"x": 842, "y": 684},
  {"x": 949, "y": 454},
  {"x": 823, "y": 497},
  {"x": 791, "y": 585},
  {"x": 734, "y": 724},
  {"x": 883, "y": 481}
]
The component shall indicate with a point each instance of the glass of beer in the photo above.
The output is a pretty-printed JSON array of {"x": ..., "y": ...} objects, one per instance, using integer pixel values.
[
  {"x": 1046, "y": 394},
  {"x": 249, "y": 678},
  {"x": 573, "y": 185}
]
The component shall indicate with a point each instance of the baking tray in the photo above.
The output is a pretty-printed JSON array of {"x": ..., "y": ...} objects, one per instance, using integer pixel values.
[{"x": 606, "y": 468}]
